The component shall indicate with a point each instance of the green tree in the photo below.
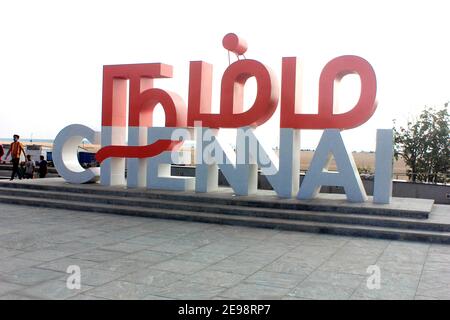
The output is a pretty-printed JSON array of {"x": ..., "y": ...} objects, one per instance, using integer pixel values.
[{"x": 424, "y": 145}]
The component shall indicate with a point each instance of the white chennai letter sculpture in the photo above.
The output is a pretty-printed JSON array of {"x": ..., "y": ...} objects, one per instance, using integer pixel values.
[{"x": 65, "y": 154}]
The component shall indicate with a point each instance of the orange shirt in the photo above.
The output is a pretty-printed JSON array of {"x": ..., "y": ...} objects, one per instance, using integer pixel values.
[{"x": 16, "y": 148}]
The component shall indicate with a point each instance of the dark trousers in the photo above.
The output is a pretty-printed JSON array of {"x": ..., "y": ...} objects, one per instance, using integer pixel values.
[{"x": 15, "y": 169}]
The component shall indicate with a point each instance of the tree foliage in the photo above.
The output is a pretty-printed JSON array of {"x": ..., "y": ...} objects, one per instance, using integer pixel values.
[{"x": 424, "y": 145}]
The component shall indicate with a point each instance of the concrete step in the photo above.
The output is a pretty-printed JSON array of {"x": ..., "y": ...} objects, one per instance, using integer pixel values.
[
  {"x": 400, "y": 207},
  {"x": 250, "y": 221},
  {"x": 328, "y": 217}
]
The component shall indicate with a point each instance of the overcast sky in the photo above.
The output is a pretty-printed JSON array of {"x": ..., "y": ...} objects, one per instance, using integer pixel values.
[{"x": 52, "y": 53}]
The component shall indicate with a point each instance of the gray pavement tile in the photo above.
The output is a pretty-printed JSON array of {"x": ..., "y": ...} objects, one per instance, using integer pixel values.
[
  {"x": 189, "y": 290},
  {"x": 356, "y": 251},
  {"x": 290, "y": 265},
  {"x": 350, "y": 258},
  {"x": 438, "y": 257},
  {"x": 439, "y": 248},
  {"x": 222, "y": 248},
  {"x": 107, "y": 227},
  {"x": 246, "y": 232},
  {"x": 126, "y": 233},
  {"x": 294, "y": 298},
  {"x": 53, "y": 290},
  {"x": 69, "y": 247},
  {"x": 395, "y": 279},
  {"x": 61, "y": 238},
  {"x": 125, "y": 247},
  {"x": 154, "y": 297},
  {"x": 122, "y": 266},
  {"x": 99, "y": 241},
  {"x": 221, "y": 298},
  {"x": 110, "y": 224},
  {"x": 425, "y": 298},
  {"x": 336, "y": 279},
  {"x": 83, "y": 296},
  {"x": 384, "y": 293},
  {"x": 255, "y": 257},
  {"x": 98, "y": 255},
  {"x": 39, "y": 245},
  {"x": 5, "y": 253},
  {"x": 188, "y": 228},
  {"x": 191, "y": 240},
  {"x": 19, "y": 240},
  {"x": 62, "y": 264},
  {"x": 170, "y": 234},
  {"x": 352, "y": 266},
  {"x": 215, "y": 278},
  {"x": 153, "y": 277},
  {"x": 6, "y": 287},
  {"x": 367, "y": 243},
  {"x": 6, "y": 230},
  {"x": 433, "y": 276},
  {"x": 306, "y": 251},
  {"x": 208, "y": 257},
  {"x": 121, "y": 290},
  {"x": 150, "y": 225},
  {"x": 236, "y": 241},
  {"x": 276, "y": 279},
  {"x": 409, "y": 246},
  {"x": 148, "y": 240},
  {"x": 150, "y": 256},
  {"x": 13, "y": 296},
  {"x": 402, "y": 257},
  {"x": 437, "y": 290},
  {"x": 44, "y": 255},
  {"x": 172, "y": 247},
  {"x": 11, "y": 209},
  {"x": 30, "y": 276},
  {"x": 437, "y": 266},
  {"x": 293, "y": 238},
  {"x": 180, "y": 266},
  {"x": 84, "y": 233},
  {"x": 252, "y": 291},
  {"x": 206, "y": 236},
  {"x": 400, "y": 267},
  {"x": 275, "y": 248},
  {"x": 233, "y": 266},
  {"x": 12, "y": 263},
  {"x": 327, "y": 240},
  {"x": 309, "y": 262},
  {"x": 414, "y": 252},
  {"x": 321, "y": 291}
]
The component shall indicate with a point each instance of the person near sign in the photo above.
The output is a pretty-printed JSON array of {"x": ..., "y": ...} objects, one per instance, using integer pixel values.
[
  {"x": 43, "y": 167},
  {"x": 15, "y": 150},
  {"x": 29, "y": 168}
]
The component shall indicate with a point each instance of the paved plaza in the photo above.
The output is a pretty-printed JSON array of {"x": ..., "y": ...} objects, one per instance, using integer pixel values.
[{"x": 123, "y": 257}]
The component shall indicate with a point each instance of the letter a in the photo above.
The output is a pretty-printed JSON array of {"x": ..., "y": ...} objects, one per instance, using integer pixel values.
[{"x": 331, "y": 143}]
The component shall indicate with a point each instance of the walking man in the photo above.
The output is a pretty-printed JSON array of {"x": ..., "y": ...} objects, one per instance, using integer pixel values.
[{"x": 15, "y": 150}]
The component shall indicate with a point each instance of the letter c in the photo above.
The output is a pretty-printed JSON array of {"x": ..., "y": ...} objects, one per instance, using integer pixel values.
[{"x": 65, "y": 154}]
